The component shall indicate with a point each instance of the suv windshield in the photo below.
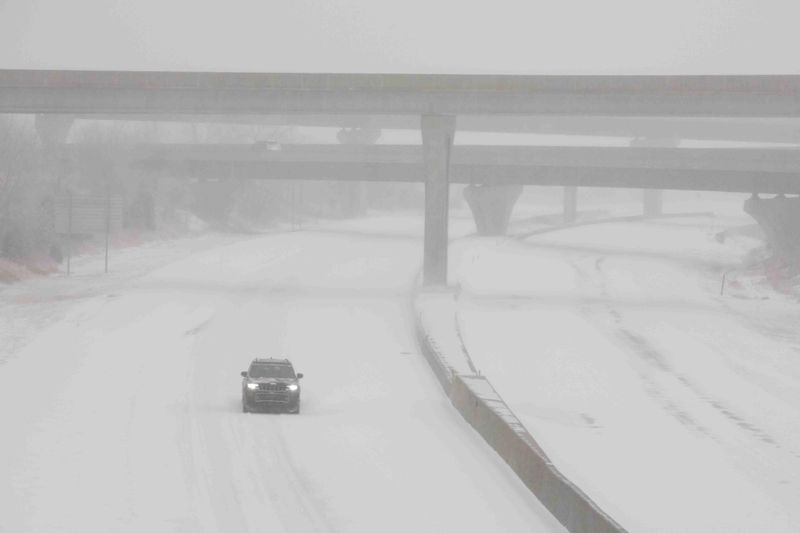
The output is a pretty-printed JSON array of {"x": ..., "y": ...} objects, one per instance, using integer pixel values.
[{"x": 271, "y": 371}]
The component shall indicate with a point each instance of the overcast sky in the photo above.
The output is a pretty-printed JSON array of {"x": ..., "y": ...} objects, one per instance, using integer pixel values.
[{"x": 424, "y": 36}]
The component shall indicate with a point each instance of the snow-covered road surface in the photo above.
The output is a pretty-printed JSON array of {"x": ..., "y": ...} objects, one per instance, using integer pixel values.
[
  {"x": 121, "y": 412},
  {"x": 673, "y": 408}
]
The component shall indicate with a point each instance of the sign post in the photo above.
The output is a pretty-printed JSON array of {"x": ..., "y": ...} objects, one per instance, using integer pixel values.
[
  {"x": 108, "y": 221},
  {"x": 69, "y": 233},
  {"x": 87, "y": 215}
]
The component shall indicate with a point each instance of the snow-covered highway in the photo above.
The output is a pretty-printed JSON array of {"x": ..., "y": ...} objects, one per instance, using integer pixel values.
[
  {"x": 675, "y": 409},
  {"x": 670, "y": 406},
  {"x": 119, "y": 399}
]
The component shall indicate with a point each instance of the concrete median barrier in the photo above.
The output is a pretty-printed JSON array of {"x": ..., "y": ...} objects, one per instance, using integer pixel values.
[{"x": 483, "y": 408}]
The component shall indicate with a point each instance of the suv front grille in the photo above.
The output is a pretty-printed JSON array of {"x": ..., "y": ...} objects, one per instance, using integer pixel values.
[
  {"x": 272, "y": 397},
  {"x": 273, "y": 387}
]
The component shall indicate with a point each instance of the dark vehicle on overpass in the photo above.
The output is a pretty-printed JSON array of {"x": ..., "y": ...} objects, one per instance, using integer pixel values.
[{"x": 271, "y": 384}]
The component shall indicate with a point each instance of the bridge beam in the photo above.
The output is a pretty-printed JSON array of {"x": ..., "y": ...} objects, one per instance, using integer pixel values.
[
  {"x": 226, "y": 93},
  {"x": 437, "y": 143}
]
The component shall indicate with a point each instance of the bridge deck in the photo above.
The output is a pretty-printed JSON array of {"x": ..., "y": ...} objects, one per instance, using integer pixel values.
[
  {"x": 41, "y": 91},
  {"x": 714, "y": 169}
]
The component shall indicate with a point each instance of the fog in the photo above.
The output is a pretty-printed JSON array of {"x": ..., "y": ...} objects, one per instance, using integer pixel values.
[
  {"x": 370, "y": 266},
  {"x": 507, "y": 36}
]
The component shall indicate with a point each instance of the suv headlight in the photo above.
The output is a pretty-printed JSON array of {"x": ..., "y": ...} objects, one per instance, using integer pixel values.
[
  {"x": 252, "y": 386},
  {"x": 292, "y": 387}
]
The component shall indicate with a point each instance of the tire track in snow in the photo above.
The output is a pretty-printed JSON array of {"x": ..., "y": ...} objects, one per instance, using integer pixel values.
[
  {"x": 657, "y": 360},
  {"x": 596, "y": 282},
  {"x": 307, "y": 512},
  {"x": 259, "y": 473},
  {"x": 198, "y": 471}
]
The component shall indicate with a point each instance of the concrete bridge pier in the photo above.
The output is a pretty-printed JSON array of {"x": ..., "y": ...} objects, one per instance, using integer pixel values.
[
  {"x": 779, "y": 217},
  {"x": 437, "y": 143},
  {"x": 653, "y": 199},
  {"x": 491, "y": 206},
  {"x": 355, "y": 194}
]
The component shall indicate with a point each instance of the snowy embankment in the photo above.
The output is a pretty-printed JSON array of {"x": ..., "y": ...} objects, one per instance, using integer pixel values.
[
  {"x": 119, "y": 396},
  {"x": 672, "y": 407}
]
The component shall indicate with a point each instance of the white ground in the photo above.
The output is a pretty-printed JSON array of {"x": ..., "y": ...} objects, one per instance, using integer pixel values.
[
  {"x": 119, "y": 396},
  {"x": 672, "y": 407}
]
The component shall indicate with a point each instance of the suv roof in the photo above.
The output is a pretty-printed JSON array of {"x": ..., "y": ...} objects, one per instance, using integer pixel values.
[{"x": 271, "y": 360}]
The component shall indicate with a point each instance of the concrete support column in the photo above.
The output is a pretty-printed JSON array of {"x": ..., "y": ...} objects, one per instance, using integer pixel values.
[
  {"x": 437, "y": 142},
  {"x": 570, "y": 205},
  {"x": 491, "y": 206},
  {"x": 355, "y": 201},
  {"x": 653, "y": 199},
  {"x": 779, "y": 217}
]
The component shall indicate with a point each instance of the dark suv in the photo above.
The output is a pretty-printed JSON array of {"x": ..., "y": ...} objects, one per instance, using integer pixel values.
[{"x": 271, "y": 383}]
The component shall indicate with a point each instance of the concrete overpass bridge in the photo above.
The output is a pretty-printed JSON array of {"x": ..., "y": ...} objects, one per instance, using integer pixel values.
[
  {"x": 202, "y": 93},
  {"x": 749, "y": 170},
  {"x": 436, "y": 101},
  {"x": 752, "y": 130}
]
